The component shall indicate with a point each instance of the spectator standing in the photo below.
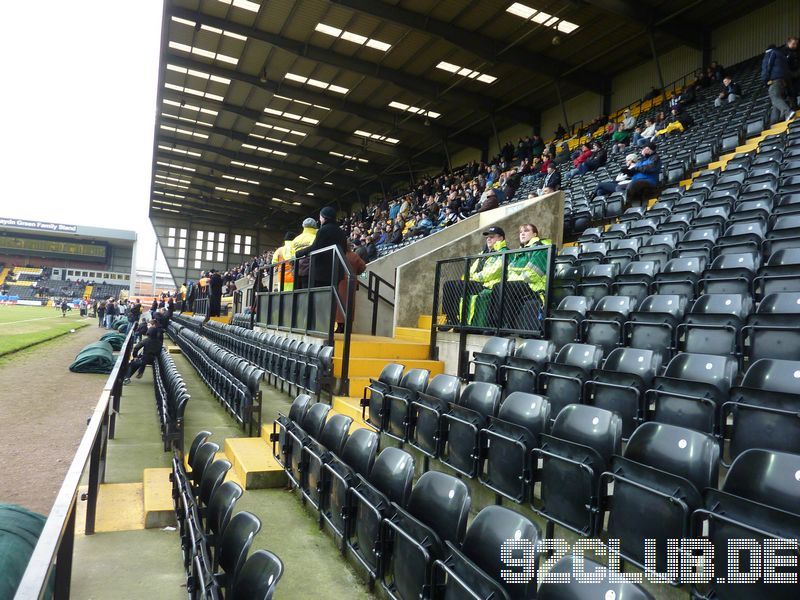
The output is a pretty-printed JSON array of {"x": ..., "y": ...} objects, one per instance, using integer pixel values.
[
  {"x": 214, "y": 294},
  {"x": 776, "y": 75},
  {"x": 101, "y": 313},
  {"x": 322, "y": 264},
  {"x": 144, "y": 353},
  {"x": 357, "y": 266},
  {"x": 304, "y": 240},
  {"x": 284, "y": 274}
]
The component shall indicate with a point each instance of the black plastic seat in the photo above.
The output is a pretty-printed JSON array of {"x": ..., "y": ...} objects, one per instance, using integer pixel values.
[
  {"x": 563, "y": 324},
  {"x": 258, "y": 577},
  {"x": 339, "y": 474},
  {"x": 414, "y": 537},
  {"x": 372, "y": 401},
  {"x": 657, "y": 484},
  {"x": 654, "y": 324},
  {"x": 489, "y": 360},
  {"x": 520, "y": 371},
  {"x": 743, "y": 236},
  {"x": 316, "y": 452},
  {"x": 763, "y": 409},
  {"x": 219, "y": 512},
  {"x": 636, "y": 280},
  {"x": 461, "y": 425},
  {"x": 731, "y": 273},
  {"x": 596, "y": 284},
  {"x": 565, "y": 282},
  {"x": 213, "y": 477},
  {"x": 202, "y": 460},
  {"x": 234, "y": 546},
  {"x": 475, "y": 569},
  {"x": 692, "y": 391},
  {"x": 397, "y": 400},
  {"x": 621, "y": 384},
  {"x": 424, "y": 413},
  {"x": 757, "y": 502},
  {"x": 281, "y": 441},
  {"x": 568, "y": 465},
  {"x": 780, "y": 274},
  {"x": 308, "y": 432},
  {"x": 773, "y": 331},
  {"x": 659, "y": 247},
  {"x": 714, "y": 322},
  {"x": 372, "y": 499},
  {"x": 680, "y": 276},
  {"x": 505, "y": 445},
  {"x": 599, "y": 589},
  {"x": 623, "y": 251},
  {"x": 562, "y": 381},
  {"x": 603, "y": 324}
]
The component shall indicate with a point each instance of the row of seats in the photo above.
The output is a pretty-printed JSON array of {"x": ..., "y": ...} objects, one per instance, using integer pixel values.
[
  {"x": 300, "y": 366},
  {"x": 171, "y": 400},
  {"x": 215, "y": 542},
  {"x": 233, "y": 380},
  {"x": 241, "y": 320}
]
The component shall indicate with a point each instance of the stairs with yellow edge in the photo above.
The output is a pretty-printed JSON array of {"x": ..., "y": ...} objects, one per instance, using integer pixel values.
[{"x": 4, "y": 274}]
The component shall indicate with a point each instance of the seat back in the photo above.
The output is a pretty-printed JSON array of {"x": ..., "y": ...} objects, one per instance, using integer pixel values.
[
  {"x": 334, "y": 432},
  {"x": 392, "y": 474},
  {"x": 220, "y": 507},
  {"x": 236, "y": 542},
  {"x": 314, "y": 419},
  {"x": 360, "y": 449},
  {"x": 599, "y": 589},
  {"x": 488, "y": 361},
  {"x": 441, "y": 502},
  {"x": 258, "y": 576},
  {"x": 202, "y": 459},
  {"x": 213, "y": 477}
]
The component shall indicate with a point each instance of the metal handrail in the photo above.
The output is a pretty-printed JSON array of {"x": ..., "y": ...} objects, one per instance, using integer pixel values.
[
  {"x": 54, "y": 548},
  {"x": 345, "y": 305},
  {"x": 373, "y": 286}
]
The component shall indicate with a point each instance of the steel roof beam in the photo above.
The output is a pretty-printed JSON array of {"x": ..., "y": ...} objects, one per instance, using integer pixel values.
[{"x": 485, "y": 47}]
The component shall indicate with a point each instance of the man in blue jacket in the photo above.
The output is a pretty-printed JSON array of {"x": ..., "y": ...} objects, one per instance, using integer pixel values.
[
  {"x": 775, "y": 73},
  {"x": 644, "y": 175}
]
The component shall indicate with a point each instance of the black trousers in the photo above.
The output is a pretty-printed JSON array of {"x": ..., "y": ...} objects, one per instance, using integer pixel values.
[
  {"x": 214, "y": 305},
  {"x": 452, "y": 292},
  {"x": 639, "y": 191},
  {"x": 139, "y": 363}
]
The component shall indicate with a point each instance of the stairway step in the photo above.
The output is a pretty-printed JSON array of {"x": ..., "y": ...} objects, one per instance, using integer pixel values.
[
  {"x": 425, "y": 321},
  {"x": 385, "y": 348},
  {"x": 371, "y": 367},
  {"x": 350, "y": 407},
  {"x": 415, "y": 334},
  {"x": 253, "y": 463},
  {"x": 173, "y": 349},
  {"x": 158, "y": 508}
]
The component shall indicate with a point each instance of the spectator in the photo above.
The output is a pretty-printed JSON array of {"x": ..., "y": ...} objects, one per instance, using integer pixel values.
[
  {"x": 101, "y": 313},
  {"x": 487, "y": 272},
  {"x": 716, "y": 71},
  {"x": 679, "y": 122},
  {"x": 357, "y": 266},
  {"x": 214, "y": 295},
  {"x": 625, "y": 129},
  {"x": 552, "y": 181},
  {"x": 149, "y": 348},
  {"x": 598, "y": 158},
  {"x": 329, "y": 234},
  {"x": 284, "y": 274},
  {"x": 526, "y": 281},
  {"x": 730, "y": 91},
  {"x": 304, "y": 240},
  {"x": 776, "y": 75},
  {"x": 793, "y": 59},
  {"x": 605, "y": 188},
  {"x": 489, "y": 201},
  {"x": 644, "y": 175},
  {"x": 578, "y": 166}
]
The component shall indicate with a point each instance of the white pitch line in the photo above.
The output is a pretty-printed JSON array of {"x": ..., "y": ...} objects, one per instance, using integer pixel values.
[{"x": 29, "y": 320}]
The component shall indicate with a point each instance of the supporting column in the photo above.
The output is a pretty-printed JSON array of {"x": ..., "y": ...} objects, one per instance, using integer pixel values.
[
  {"x": 655, "y": 59},
  {"x": 496, "y": 136},
  {"x": 447, "y": 155},
  {"x": 563, "y": 106}
]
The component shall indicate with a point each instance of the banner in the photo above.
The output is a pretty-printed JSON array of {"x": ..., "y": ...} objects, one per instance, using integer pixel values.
[{"x": 38, "y": 225}]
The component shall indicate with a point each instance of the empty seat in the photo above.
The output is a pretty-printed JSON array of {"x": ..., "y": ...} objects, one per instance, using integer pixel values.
[
  {"x": 475, "y": 569},
  {"x": 565, "y": 282},
  {"x": 659, "y": 248},
  {"x": 731, "y": 273},
  {"x": 520, "y": 371},
  {"x": 654, "y": 324},
  {"x": 744, "y": 236},
  {"x": 780, "y": 274},
  {"x": 621, "y": 384},
  {"x": 414, "y": 537},
  {"x": 388, "y": 484},
  {"x": 397, "y": 400},
  {"x": 680, "y": 276},
  {"x": 491, "y": 357},
  {"x": 568, "y": 465},
  {"x": 505, "y": 445},
  {"x": 424, "y": 413},
  {"x": 308, "y": 432},
  {"x": 773, "y": 330},
  {"x": 461, "y": 425},
  {"x": 598, "y": 589},
  {"x": 597, "y": 282},
  {"x": 258, "y": 577},
  {"x": 623, "y": 251},
  {"x": 636, "y": 280},
  {"x": 372, "y": 401},
  {"x": 762, "y": 410},
  {"x": 281, "y": 441},
  {"x": 757, "y": 501},
  {"x": 603, "y": 324},
  {"x": 657, "y": 484},
  {"x": 319, "y": 451},
  {"x": 563, "y": 324},
  {"x": 692, "y": 391},
  {"x": 562, "y": 381},
  {"x": 714, "y": 322},
  {"x": 340, "y": 474}
]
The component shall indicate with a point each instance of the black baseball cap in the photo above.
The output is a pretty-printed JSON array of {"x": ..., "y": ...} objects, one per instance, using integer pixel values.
[{"x": 495, "y": 231}]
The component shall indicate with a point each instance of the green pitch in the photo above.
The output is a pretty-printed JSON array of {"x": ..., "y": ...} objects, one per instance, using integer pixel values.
[{"x": 23, "y": 326}]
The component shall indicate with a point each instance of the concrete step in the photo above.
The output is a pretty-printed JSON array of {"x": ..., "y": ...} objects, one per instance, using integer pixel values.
[
  {"x": 173, "y": 349},
  {"x": 158, "y": 509},
  {"x": 371, "y": 367},
  {"x": 416, "y": 334},
  {"x": 350, "y": 407},
  {"x": 253, "y": 463},
  {"x": 385, "y": 348},
  {"x": 425, "y": 321}
]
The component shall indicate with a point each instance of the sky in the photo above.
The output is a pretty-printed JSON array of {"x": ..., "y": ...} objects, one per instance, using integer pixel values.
[{"x": 77, "y": 104}]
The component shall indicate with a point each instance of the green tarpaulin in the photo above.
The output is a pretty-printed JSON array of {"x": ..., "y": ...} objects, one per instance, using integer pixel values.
[
  {"x": 115, "y": 339},
  {"x": 19, "y": 532},
  {"x": 94, "y": 358}
]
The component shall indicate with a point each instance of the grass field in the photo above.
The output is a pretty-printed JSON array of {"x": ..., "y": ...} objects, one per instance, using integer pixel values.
[{"x": 23, "y": 326}]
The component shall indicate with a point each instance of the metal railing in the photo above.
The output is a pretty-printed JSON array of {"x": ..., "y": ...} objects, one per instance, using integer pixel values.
[
  {"x": 373, "y": 285},
  {"x": 284, "y": 306},
  {"x": 499, "y": 293},
  {"x": 53, "y": 551}
]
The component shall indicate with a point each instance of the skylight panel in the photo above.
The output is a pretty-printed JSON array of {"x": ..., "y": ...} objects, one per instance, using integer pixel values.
[
  {"x": 300, "y": 102},
  {"x": 465, "y": 72},
  {"x": 265, "y": 150},
  {"x": 194, "y": 92},
  {"x": 347, "y": 156},
  {"x": 328, "y": 182},
  {"x": 238, "y": 163},
  {"x": 281, "y": 129},
  {"x": 290, "y": 190},
  {"x": 200, "y": 74},
  {"x": 231, "y": 190},
  {"x": 243, "y": 4},
  {"x": 375, "y": 136},
  {"x": 174, "y": 166},
  {"x": 542, "y": 18},
  {"x": 175, "y": 179},
  {"x": 415, "y": 110},
  {"x": 204, "y": 53},
  {"x": 241, "y": 179},
  {"x": 323, "y": 85},
  {"x": 183, "y": 105},
  {"x": 178, "y": 150},
  {"x": 187, "y": 119},
  {"x": 303, "y": 178},
  {"x": 271, "y": 139},
  {"x": 353, "y": 37},
  {"x": 184, "y": 131}
]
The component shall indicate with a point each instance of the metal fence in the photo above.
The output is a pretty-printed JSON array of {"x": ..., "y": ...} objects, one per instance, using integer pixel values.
[
  {"x": 53, "y": 551},
  {"x": 498, "y": 293}
]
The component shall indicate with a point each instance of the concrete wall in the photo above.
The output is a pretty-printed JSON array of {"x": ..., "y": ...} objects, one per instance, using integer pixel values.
[
  {"x": 750, "y": 35},
  {"x": 584, "y": 107},
  {"x": 416, "y": 269}
]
